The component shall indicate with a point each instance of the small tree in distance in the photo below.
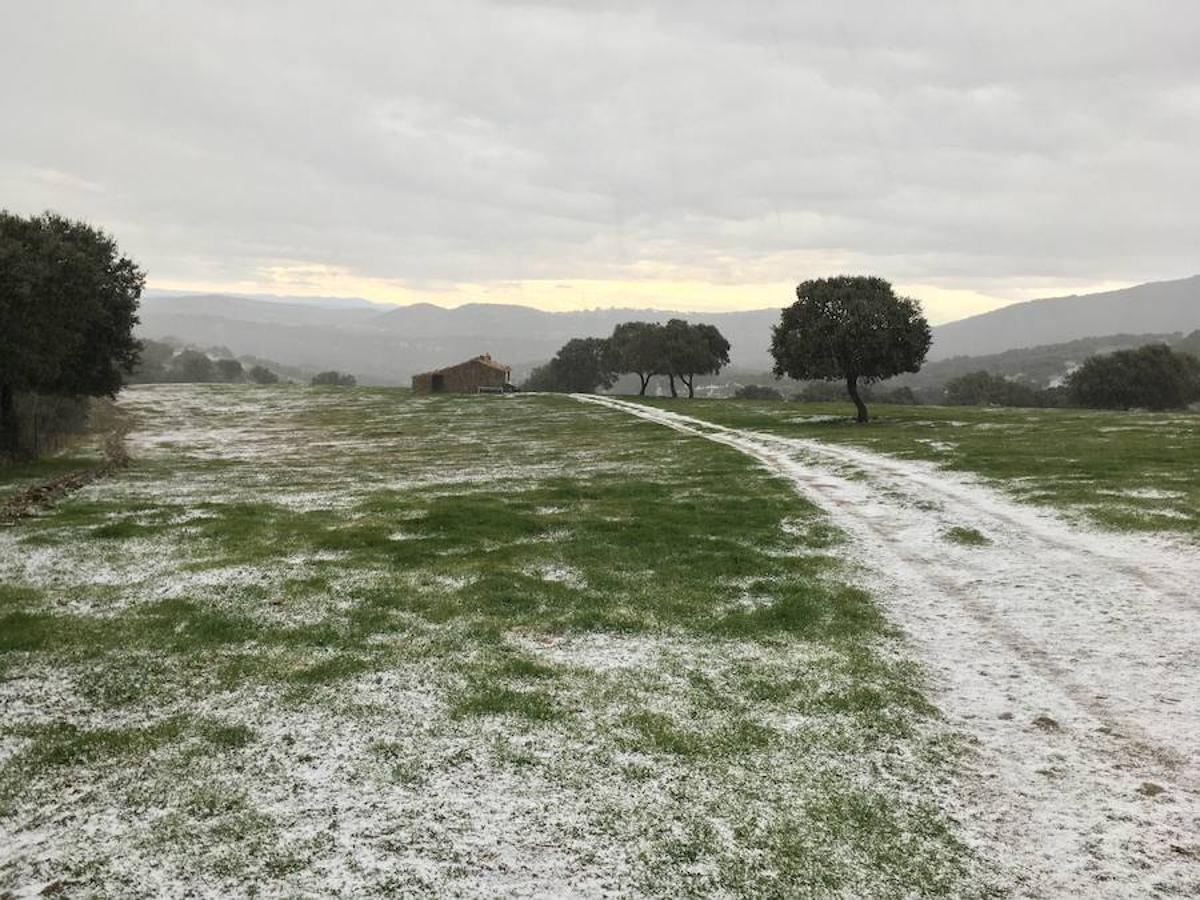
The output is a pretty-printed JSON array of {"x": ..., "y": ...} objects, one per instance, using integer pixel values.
[
  {"x": 262, "y": 375},
  {"x": 335, "y": 378},
  {"x": 230, "y": 370},
  {"x": 152, "y": 363},
  {"x": 850, "y": 327},
  {"x": 192, "y": 366}
]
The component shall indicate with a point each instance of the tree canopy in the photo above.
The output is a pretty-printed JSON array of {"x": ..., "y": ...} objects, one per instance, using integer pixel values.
[
  {"x": 688, "y": 350},
  {"x": 1150, "y": 377},
  {"x": 68, "y": 305},
  {"x": 637, "y": 350},
  {"x": 850, "y": 327},
  {"x": 582, "y": 365}
]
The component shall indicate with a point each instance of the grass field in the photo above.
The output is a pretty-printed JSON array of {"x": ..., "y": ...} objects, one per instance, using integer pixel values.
[
  {"x": 355, "y": 642},
  {"x": 1125, "y": 471}
]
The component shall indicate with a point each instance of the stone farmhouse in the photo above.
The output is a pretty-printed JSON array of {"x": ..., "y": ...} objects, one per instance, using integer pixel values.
[{"x": 480, "y": 375}]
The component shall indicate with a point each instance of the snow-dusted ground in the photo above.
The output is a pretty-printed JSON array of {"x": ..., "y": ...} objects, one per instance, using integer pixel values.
[
  {"x": 370, "y": 784},
  {"x": 1071, "y": 658}
]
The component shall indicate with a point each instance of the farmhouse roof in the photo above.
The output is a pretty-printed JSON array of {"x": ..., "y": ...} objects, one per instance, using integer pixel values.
[{"x": 483, "y": 359}]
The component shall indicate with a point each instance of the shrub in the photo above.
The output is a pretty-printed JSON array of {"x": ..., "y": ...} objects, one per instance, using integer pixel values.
[
  {"x": 985, "y": 389},
  {"x": 262, "y": 375},
  {"x": 757, "y": 392},
  {"x": 900, "y": 396}
]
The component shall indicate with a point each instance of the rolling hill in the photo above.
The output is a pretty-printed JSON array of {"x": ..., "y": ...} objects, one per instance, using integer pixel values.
[{"x": 1156, "y": 307}]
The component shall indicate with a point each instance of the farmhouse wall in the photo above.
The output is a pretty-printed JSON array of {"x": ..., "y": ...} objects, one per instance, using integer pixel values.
[{"x": 465, "y": 378}]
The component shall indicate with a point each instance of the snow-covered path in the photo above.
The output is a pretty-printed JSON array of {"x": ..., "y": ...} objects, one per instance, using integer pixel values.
[{"x": 1069, "y": 658}]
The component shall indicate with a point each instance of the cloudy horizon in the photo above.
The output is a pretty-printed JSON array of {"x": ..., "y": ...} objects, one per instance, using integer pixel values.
[{"x": 698, "y": 156}]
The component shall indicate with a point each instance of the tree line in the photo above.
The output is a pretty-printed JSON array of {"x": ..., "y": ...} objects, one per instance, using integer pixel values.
[
  {"x": 678, "y": 351},
  {"x": 160, "y": 362},
  {"x": 1151, "y": 377},
  {"x": 1154, "y": 377},
  {"x": 333, "y": 378}
]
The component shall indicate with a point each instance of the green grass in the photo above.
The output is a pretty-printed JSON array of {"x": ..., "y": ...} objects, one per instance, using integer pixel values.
[
  {"x": 17, "y": 477},
  {"x": 497, "y": 700},
  {"x": 1122, "y": 470},
  {"x": 68, "y": 745},
  {"x": 312, "y": 627},
  {"x": 969, "y": 537}
]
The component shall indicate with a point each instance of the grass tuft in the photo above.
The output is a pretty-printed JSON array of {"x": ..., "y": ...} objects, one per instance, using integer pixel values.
[
  {"x": 969, "y": 537},
  {"x": 499, "y": 700}
]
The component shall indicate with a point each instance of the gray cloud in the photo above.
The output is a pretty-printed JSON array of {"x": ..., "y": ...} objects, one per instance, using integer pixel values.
[{"x": 977, "y": 145}]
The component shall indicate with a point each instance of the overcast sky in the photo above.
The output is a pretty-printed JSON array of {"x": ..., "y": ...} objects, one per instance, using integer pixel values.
[{"x": 688, "y": 155}]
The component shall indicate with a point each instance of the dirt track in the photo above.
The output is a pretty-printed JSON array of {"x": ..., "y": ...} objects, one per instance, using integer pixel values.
[{"x": 1069, "y": 658}]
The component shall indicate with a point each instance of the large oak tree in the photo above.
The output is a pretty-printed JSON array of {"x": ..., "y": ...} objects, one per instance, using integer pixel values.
[
  {"x": 68, "y": 304},
  {"x": 850, "y": 327}
]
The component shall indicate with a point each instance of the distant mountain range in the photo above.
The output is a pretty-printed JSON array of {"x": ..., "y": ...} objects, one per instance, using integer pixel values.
[
  {"x": 387, "y": 345},
  {"x": 1157, "y": 307}
]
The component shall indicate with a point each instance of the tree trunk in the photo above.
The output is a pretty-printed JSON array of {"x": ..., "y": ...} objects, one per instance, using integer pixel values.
[
  {"x": 690, "y": 382},
  {"x": 674, "y": 393},
  {"x": 852, "y": 387},
  {"x": 8, "y": 421},
  {"x": 645, "y": 379}
]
